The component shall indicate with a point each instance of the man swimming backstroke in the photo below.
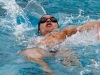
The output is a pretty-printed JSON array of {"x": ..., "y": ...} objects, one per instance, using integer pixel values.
[{"x": 47, "y": 27}]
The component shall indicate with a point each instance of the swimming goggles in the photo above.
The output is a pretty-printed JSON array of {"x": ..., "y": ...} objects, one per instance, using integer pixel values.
[{"x": 43, "y": 20}]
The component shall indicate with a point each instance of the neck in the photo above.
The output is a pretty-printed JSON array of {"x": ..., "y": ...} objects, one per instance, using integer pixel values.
[{"x": 50, "y": 32}]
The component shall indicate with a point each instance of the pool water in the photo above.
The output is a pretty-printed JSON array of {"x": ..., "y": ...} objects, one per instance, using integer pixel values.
[{"x": 18, "y": 25}]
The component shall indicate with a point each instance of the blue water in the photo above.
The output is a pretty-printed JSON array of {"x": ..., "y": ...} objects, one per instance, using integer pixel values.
[{"x": 18, "y": 25}]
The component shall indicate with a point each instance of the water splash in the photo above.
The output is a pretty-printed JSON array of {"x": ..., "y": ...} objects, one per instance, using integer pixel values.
[
  {"x": 12, "y": 12},
  {"x": 72, "y": 19},
  {"x": 84, "y": 38},
  {"x": 17, "y": 22},
  {"x": 16, "y": 19},
  {"x": 34, "y": 9}
]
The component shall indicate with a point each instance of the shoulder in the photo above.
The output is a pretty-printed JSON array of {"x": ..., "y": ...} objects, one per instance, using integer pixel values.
[{"x": 70, "y": 30}]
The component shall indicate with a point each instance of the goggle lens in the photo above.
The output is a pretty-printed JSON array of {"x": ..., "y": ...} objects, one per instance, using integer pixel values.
[{"x": 43, "y": 20}]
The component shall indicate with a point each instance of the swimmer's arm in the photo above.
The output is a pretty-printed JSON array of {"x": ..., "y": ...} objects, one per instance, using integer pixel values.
[
  {"x": 95, "y": 25},
  {"x": 87, "y": 26}
]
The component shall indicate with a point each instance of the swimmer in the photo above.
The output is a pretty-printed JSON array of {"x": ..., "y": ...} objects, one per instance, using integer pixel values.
[{"x": 48, "y": 28}]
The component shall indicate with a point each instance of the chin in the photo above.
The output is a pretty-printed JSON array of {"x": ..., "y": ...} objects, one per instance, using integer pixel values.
[{"x": 51, "y": 29}]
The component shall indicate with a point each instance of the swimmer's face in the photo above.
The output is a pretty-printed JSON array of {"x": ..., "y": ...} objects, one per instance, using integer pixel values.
[{"x": 48, "y": 24}]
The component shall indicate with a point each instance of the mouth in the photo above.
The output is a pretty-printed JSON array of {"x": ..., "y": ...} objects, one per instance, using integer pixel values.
[{"x": 48, "y": 25}]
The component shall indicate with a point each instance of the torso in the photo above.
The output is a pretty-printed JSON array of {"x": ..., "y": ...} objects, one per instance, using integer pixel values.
[{"x": 52, "y": 38}]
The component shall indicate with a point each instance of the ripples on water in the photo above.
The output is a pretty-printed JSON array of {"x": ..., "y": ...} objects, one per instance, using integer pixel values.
[{"x": 18, "y": 25}]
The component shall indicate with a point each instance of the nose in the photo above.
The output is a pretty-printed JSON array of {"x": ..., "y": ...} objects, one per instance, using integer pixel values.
[{"x": 48, "y": 20}]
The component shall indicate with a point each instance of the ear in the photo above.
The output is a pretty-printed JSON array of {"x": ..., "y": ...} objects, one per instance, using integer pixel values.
[{"x": 40, "y": 32}]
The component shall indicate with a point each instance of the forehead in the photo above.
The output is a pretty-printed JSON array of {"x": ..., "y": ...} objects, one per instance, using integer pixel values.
[{"x": 47, "y": 16}]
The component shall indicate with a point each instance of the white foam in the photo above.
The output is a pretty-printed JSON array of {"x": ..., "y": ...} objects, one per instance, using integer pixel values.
[{"x": 83, "y": 38}]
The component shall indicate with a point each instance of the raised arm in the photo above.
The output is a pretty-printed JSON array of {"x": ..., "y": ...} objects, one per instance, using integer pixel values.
[
  {"x": 87, "y": 26},
  {"x": 90, "y": 25}
]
